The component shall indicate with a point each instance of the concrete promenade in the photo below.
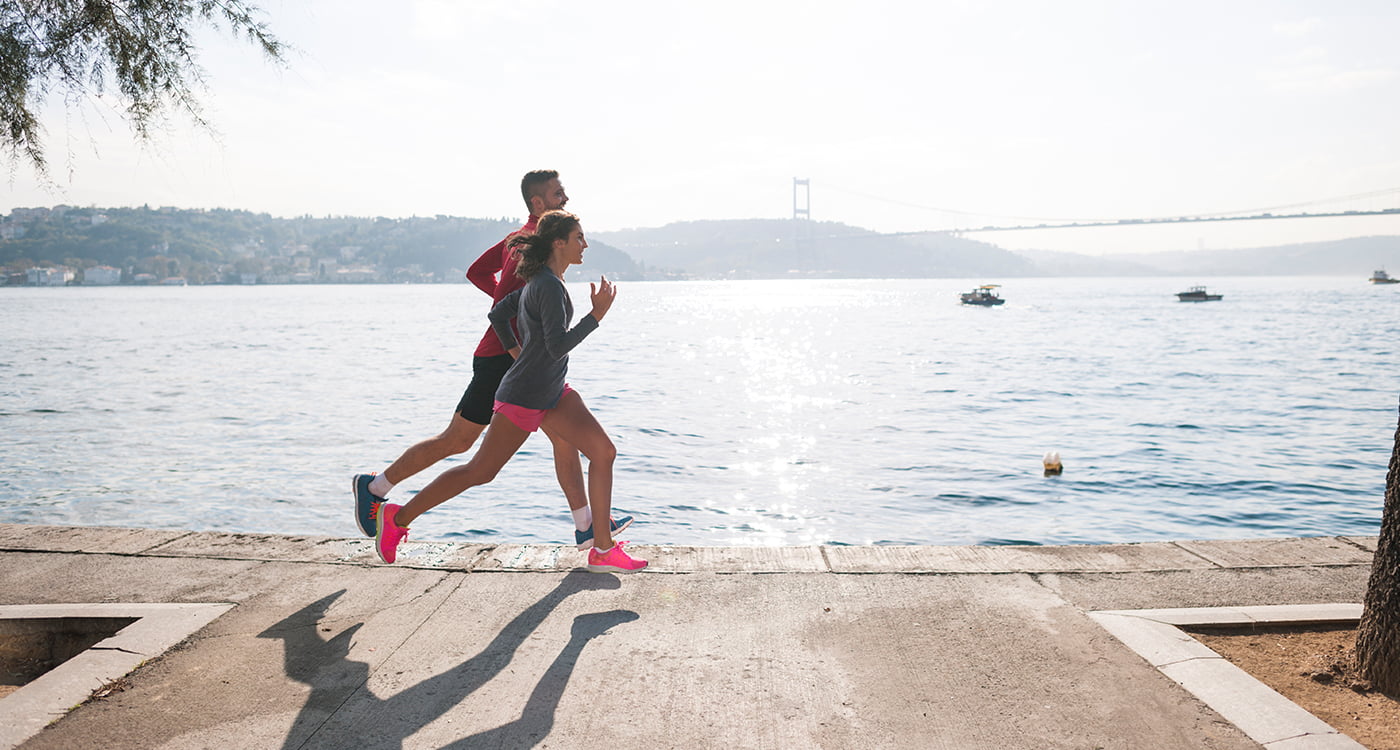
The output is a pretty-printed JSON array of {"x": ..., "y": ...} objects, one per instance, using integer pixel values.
[{"x": 510, "y": 646}]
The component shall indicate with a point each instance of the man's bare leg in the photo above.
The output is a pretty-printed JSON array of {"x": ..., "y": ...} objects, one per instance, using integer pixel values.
[
  {"x": 568, "y": 469},
  {"x": 459, "y": 437}
]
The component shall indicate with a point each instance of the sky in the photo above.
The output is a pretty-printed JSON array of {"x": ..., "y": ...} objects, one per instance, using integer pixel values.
[{"x": 904, "y": 116}]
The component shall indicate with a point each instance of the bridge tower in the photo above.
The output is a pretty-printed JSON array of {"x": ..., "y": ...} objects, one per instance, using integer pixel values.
[{"x": 802, "y": 223}]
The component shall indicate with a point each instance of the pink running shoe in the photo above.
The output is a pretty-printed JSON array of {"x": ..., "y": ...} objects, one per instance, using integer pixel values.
[
  {"x": 614, "y": 560},
  {"x": 386, "y": 541}
]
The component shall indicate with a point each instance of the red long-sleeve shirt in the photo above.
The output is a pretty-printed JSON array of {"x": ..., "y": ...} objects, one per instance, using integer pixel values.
[{"x": 483, "y": 273}]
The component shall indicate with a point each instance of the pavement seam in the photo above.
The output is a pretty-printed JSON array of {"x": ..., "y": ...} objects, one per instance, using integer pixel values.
[
  {"x": 1297, "y": 566},
  {"x": 473, "y": 566}
]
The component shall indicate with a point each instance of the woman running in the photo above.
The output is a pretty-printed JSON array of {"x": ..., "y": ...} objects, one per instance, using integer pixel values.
[{"x": 534, "y": 392}]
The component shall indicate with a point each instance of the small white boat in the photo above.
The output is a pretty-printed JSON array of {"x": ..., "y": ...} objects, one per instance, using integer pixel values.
[
  {"x": 1381, "y": 277},
  {"x": 1198, "y": 294},
  {"x": 982, "y": 295}
]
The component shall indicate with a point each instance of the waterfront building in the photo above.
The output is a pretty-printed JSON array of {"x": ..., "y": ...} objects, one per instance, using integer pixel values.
[
  {"x": 49, "y": 276},
  {"x": 102, "y": 276}
]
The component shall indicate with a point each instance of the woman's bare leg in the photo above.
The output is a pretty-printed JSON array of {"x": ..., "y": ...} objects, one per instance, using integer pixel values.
[
  {"x": 571, "y": 421},
  {"x": 502, "y": 440}
]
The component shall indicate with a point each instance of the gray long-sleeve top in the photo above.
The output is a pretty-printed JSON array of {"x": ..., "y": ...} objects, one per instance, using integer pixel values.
[{"x": 542, "y": 309}]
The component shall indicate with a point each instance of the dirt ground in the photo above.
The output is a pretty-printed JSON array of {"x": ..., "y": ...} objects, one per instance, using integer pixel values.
[
  {"x": 17, "y": 666},
  {"x": 1314, "y": 667}
]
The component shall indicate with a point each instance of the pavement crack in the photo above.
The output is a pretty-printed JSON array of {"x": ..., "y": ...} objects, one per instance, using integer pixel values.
[
  {"x": 442, "y": 579},
  {"x": 158, "y": 545},
  {"x": 1196, "y": 554},
  {"x": 1362, "y": 547},
  {"x": 1189, "y": 659},
  {"x": 116, "y": 648},
  {"x": 421, "y": 622}
]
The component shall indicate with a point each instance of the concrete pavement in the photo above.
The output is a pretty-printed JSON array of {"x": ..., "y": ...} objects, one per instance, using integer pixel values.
[{"x": 509, "y": 646}]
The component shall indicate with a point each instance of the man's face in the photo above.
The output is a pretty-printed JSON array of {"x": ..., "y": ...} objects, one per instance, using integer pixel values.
[{"x": 550, "y": 197}]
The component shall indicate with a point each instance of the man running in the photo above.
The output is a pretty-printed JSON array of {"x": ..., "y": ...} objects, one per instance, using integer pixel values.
[{"x": 494, "y": 274}]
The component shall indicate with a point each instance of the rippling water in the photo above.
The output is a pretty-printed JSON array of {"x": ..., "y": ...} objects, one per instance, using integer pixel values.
[{"x": 750, "y": 413}]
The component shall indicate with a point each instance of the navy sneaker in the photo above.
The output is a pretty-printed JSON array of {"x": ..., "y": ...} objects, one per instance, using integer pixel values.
[
  {"x": 585, "y": 538},
  {"x": 366, "y": 504}
]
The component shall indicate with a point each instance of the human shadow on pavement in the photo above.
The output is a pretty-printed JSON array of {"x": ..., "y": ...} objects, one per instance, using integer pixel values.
[
  {"x": 341, "y": 711},
  {"x": 320, "y": 663},
  {"x": 537, "y": 720}
]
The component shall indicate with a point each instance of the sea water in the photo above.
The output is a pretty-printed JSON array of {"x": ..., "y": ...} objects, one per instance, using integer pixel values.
[{"x": 744, "y": 412}]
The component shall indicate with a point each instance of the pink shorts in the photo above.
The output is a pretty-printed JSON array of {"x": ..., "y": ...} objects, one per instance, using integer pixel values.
[{"x": 526, "y": 419}]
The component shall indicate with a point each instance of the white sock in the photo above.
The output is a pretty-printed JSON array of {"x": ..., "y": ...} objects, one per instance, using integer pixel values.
[
  {"x": 380, "y": 486},
  {"x": 583, "y": 517}
]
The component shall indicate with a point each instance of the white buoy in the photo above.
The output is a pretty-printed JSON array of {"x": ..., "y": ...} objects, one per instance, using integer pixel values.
[{"x": 1052, "y": 464}]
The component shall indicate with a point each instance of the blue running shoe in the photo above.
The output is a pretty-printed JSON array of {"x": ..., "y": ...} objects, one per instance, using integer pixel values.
[
  {"x": 366, "y": 504},
  {"x": 585, "y": 538}
]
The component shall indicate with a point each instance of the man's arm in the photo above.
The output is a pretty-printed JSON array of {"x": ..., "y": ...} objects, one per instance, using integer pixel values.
[{"x": 482, "y": 272}]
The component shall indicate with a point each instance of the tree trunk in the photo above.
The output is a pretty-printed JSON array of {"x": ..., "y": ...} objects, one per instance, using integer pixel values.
[{"x": 1378, "y": 636}]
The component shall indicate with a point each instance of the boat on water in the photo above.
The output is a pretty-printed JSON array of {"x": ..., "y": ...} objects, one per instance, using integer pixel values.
[
  {"x": 1198, "y": 294},
  {"x": 1381, "y": 277},
  {"x": 984, "y": 295}
]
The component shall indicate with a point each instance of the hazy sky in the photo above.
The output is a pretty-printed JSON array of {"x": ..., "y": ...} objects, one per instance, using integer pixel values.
[{"x": 896, "y": 111}]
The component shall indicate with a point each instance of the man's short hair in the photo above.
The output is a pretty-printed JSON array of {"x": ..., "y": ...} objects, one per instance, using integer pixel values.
[{"x": 531, "y": 182}]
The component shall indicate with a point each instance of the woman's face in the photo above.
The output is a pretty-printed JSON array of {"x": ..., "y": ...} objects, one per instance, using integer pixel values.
[{"x": 571, "y": 249}]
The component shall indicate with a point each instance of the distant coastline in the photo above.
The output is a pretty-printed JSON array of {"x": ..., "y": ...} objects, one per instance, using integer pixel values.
[{"x": 64, "y": 245}]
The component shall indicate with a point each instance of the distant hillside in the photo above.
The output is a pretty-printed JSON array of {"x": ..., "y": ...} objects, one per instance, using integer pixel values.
[
  {"x": 1056, "y": 263},
  {"x": 205, "y": 246},
  {"x": 209, "y": 246},
  {"x": 1349, "y": 257},
  {"x": 764, "y": 248}
]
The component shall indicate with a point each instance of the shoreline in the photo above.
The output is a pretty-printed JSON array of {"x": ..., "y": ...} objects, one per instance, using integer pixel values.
[{"x": 1181, "y": 555}]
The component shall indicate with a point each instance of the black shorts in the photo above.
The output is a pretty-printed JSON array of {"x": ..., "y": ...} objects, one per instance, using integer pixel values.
[{"x": 480, "y": 399}]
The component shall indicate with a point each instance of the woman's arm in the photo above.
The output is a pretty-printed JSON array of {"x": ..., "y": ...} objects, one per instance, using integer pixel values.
[
  {"x": 559, "y": 339},
  {"x": 501, "y": 315}
]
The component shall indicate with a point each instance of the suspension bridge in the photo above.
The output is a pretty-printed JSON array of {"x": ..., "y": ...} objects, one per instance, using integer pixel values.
[
  {"x": 1183, "y": 220},
  {"x": 802, "y": 202}
]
